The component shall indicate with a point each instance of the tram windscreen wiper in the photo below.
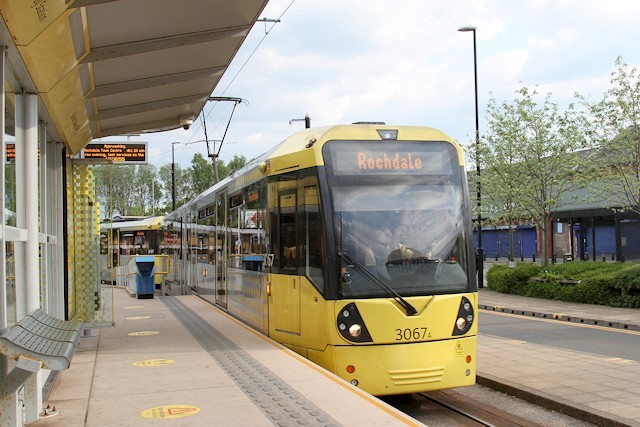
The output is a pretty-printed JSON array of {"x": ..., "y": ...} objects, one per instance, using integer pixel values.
[{"x": 411, "y": 310}]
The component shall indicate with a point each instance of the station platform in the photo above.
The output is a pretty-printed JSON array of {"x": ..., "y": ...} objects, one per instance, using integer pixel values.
[
  {"x": 181, "y": 362},
  {"x": 182, "y": 375},
  {"x": 597, "y": 389}
]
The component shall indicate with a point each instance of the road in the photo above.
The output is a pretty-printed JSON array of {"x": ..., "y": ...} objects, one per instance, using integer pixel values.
[{"x": 603, "y": 341}]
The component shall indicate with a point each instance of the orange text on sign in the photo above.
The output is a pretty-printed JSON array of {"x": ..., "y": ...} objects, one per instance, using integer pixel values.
[{"x": 385, "y": 162}]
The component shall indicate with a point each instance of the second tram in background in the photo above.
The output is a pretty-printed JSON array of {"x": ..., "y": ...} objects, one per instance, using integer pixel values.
[
  {"x": 352, "y": 246},
  {"x": 125, "y": 237}
]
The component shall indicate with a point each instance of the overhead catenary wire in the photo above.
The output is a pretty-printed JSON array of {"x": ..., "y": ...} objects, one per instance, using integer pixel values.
[
  {"x": 206, "y": 116},
  {"x": 214, "y": 155},
  {"x": 255, "y": 49}
]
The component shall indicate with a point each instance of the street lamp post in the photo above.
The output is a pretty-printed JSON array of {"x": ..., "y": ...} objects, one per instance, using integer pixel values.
[
  {"x": 173, "y": 174},
  {"x": 480, "y": 251},
  {"x": 307, "y": 121}
]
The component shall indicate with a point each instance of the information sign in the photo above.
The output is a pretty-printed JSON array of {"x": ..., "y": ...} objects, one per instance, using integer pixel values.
[{"x": 125, "y": 152}]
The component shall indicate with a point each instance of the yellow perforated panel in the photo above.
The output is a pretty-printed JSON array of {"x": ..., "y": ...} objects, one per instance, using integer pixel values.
[{"x": 89, "y": 301}]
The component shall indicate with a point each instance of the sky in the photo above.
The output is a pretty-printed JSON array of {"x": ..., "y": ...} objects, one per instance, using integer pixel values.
[{"x": 404, "y": 62}]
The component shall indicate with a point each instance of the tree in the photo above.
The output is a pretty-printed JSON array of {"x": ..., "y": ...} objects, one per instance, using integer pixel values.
[
  {"x": 614, "y": 130},
  {"x": 500, "y": 163},
  {"x": 237, "y": 163},
  {"x": 10, "y": 196},
  {"x": 115, "y": 187},
  {"x": 201, "y": 173},
  {"x": 164, "y": 176},
  {"x": 126, "y": 189},
  {"x": 531, "y": 154},
  {"x": 183, "y": 184},
  {"x": 144, "y": 184},
  {"x": 140, "y": 190},
  {"x": 102, "y": 174}
]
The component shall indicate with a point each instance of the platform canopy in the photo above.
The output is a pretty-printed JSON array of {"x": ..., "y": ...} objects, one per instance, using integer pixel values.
[{"x": 112, "y": 67}]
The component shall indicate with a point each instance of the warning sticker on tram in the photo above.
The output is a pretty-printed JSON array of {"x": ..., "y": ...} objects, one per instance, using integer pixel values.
[
  {"x": 143, "y": 333},
  {"x": 137, "y": 317},
  {"x": 459, "y": 348},
  {"x": 170, "y": 411},
  {"x": 154, "y": 362}
]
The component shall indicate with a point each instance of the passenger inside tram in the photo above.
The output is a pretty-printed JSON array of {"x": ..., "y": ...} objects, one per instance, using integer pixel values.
[{"x": 409, "y": 250}]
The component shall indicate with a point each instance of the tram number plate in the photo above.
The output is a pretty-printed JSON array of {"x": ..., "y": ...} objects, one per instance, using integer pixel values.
[{"x": 409, "y": 334}]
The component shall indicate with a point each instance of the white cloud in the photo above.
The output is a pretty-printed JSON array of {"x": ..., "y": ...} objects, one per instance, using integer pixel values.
[{"x": 405, "y": 62}]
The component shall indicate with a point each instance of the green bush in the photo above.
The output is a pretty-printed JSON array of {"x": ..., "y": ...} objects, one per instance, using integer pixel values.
[
  {"x": 626, "y": 301},
  {"x": 510, "y": 280},
  {"x": 577, "y": 269},
  {"x": 544, "y": 290},
  {"x": 627, "y": 279},
  {"x": 548, "y": 277},
  {"x": 615, "y": 284}
]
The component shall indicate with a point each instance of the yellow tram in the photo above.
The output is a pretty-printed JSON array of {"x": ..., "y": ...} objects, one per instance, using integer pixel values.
[
  {"x": 352, "y": 246},
  {"x": 124, "y": 237}
]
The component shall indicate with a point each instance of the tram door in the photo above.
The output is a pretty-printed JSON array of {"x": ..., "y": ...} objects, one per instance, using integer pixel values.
[
  {"x": 117, "y": 249},
  {"x": 221, "y": 249},
  {"x": 286, "y": 284},
  {"x": 192, "y": 257}
]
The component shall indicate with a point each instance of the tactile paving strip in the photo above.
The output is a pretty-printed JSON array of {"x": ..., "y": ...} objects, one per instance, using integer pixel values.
[{"x": 283, "y": 405}]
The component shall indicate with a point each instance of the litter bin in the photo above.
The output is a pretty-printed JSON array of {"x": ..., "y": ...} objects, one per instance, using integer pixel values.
[
  {"x": 252, "y": 262},
  {"x": 145, "y": 276}
]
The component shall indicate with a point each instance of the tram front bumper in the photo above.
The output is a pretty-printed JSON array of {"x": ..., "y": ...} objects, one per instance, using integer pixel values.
[{"x": 409, "y": 367}]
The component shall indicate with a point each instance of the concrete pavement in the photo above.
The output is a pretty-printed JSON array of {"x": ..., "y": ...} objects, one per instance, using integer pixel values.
[
  {"x": 594, "y": 388},
  {"x": 104, "y": 387}
]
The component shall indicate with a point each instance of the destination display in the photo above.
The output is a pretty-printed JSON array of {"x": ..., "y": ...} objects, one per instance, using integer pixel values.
[
  {"x": 387, "y": 161},
  {"x": 402, "y": 158}
]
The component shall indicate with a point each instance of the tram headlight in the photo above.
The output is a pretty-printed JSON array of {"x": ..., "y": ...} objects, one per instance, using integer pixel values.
[
  {"x": 355, "y": 330},
  {"x": 351, "y": 325},
  {"x": 465, "y": 317}
]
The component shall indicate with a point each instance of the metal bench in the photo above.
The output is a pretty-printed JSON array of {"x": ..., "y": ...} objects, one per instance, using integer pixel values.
[{"x": 37, "y": 341}]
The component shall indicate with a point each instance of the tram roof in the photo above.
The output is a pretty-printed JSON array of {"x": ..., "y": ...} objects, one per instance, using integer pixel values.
[
  {"x": 298, "y": 141},
  {"x": 103, "y": 68},
  {"x": 151, "y": 223}
]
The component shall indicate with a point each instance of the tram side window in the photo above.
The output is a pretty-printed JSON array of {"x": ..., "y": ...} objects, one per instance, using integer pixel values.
[
  {"x": 312, "y": 242},
  {"x": 208, "y": 237},
  {"x": 192, "y": 240},
  {"x": 220, "y": 230},
  {"x": 284, "y": 224},
  {"x": 203, "y": 251},
  {"x": 170, "y": 241},
  {"x": 252, "y": 234},
  {"x": 233, "y": 237},
  {"x": 287, "y": 221},
  {"x": 104, "y": 243}
]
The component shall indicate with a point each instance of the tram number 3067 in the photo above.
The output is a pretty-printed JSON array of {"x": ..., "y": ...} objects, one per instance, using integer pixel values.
[{"x": 408, "y": 334}]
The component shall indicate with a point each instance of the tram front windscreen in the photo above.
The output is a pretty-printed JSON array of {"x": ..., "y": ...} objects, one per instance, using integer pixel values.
[{"x": 399, "y": 217}]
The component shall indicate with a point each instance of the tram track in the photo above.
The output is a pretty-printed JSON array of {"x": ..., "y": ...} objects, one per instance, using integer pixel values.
[
  {"x": 445, "y": 403},
  {"x": 450, "y": 408}
]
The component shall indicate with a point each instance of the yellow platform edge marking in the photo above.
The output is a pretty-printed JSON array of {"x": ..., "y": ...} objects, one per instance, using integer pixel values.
[
  {"x": 170, "y": 411},
  {"x": 137, "y": 317},
  {"x": 143, "y": 333},
  {"x": 154, "y": 362}
]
